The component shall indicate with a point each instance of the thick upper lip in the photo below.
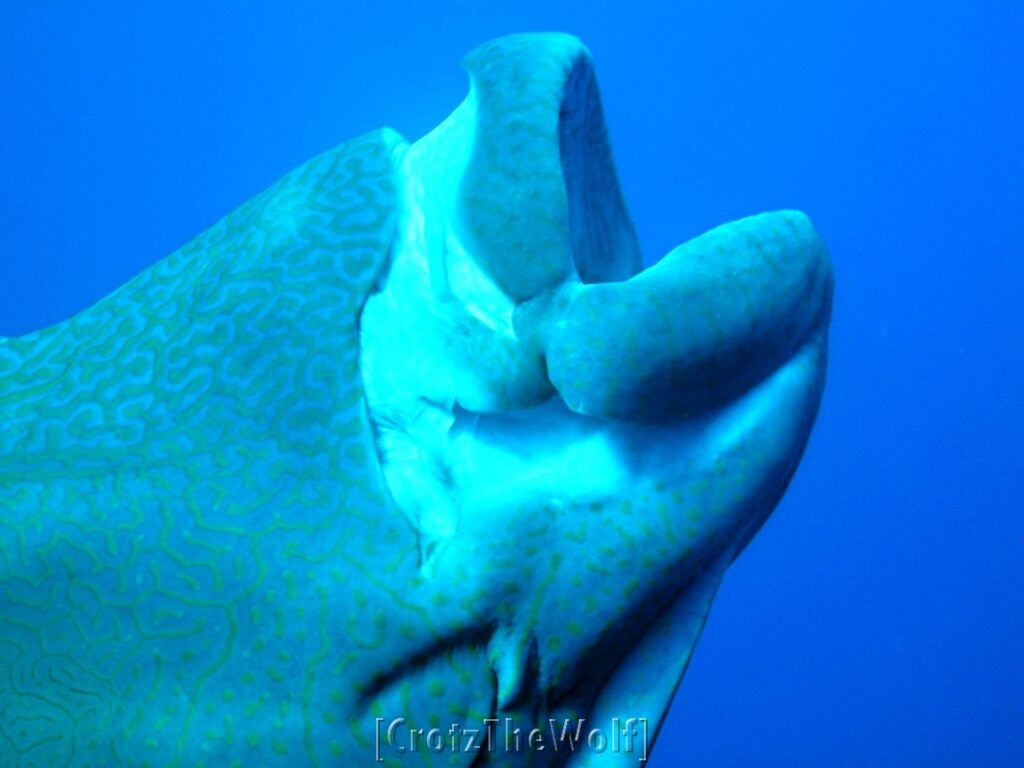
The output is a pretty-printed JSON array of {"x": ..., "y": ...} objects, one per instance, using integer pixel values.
[{"x": 710, "y": 320}]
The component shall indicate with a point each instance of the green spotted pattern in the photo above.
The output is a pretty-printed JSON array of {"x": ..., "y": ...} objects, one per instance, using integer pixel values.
[
  {"x": 201, "y": 564},
  {"x": 187, "y": 483}
]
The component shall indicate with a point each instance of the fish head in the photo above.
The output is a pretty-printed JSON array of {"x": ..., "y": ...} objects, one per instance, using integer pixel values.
[
  {"x": 581, "y": 445},
  {"x": 409, "y": 441}
]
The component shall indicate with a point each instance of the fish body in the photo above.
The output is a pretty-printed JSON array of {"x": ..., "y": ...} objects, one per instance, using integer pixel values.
[{"x": 407, "y": 443}]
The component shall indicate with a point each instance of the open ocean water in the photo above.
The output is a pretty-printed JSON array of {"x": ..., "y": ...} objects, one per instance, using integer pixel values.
[{"x": 878, "y": 618}]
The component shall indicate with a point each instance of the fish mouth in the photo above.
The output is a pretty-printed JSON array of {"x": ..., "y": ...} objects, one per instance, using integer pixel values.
[
  {"x": 515, "y": 279},
  {"x": 523, "y": 176},
  {"x": 691, "y": 332}
]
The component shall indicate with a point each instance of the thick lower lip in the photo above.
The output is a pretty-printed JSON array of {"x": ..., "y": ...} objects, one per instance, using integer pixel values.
[{"x": 709, "y": 321}]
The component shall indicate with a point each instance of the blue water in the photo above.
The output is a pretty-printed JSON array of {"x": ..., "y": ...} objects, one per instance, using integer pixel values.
[{"x": 878, "y": 619}]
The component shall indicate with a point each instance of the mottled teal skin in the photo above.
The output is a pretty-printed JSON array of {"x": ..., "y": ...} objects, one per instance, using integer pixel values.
[{"x": 404, "y": 436}]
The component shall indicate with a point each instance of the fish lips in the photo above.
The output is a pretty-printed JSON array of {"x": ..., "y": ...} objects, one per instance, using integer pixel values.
[{"x": 695, "y": 331}]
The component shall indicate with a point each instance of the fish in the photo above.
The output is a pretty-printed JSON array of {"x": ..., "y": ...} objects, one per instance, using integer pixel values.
[{"x": 407, "y": 459}]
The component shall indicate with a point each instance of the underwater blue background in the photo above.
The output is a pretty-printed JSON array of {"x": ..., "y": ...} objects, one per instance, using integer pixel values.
[{"x": 878, "y": 619}]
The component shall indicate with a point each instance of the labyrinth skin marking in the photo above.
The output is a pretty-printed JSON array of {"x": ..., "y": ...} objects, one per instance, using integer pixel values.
[{"x": 409, "y": 435}]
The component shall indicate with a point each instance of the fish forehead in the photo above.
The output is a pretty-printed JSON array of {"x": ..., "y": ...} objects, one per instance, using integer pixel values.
[
  {"x": 188, "y": 485},
  {"x": 259, "y": 310}
]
